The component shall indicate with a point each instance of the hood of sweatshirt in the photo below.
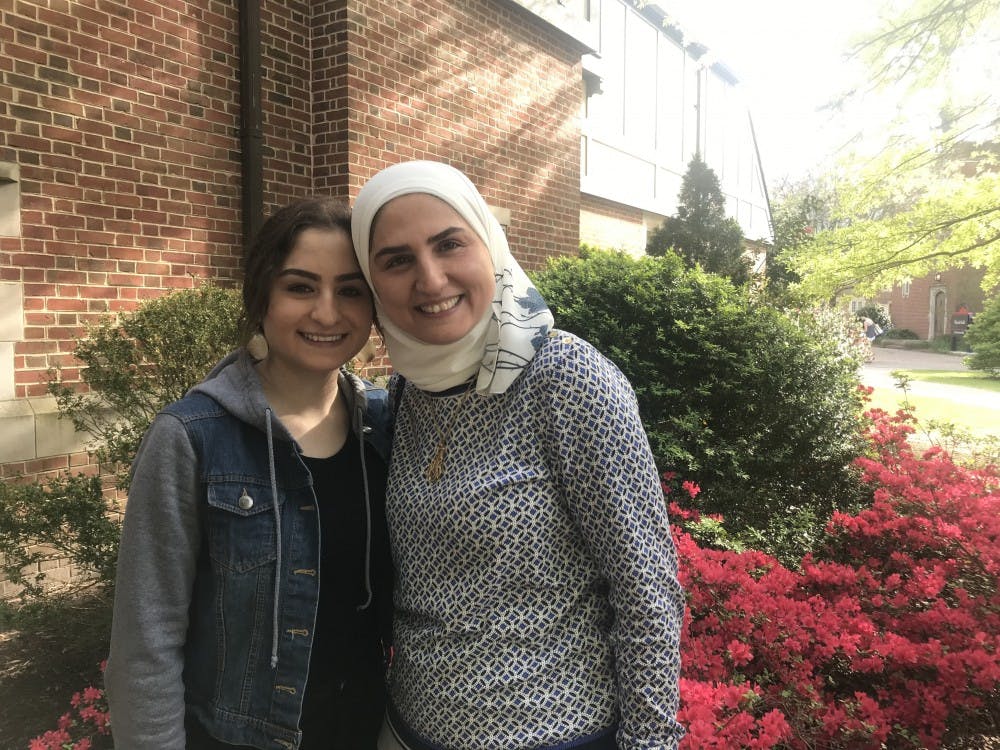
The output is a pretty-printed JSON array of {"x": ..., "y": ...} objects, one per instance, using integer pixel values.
[{"x": 235, "y": 385}]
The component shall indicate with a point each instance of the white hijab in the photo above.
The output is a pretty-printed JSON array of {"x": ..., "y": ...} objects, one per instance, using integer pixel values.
[{"x": 501, "y": 345}]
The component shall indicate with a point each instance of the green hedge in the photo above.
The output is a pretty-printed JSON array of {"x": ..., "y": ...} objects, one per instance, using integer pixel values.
[
  {"x": 138, "y": 362},
  {"x": 983, "y": 336},
  {"x": 759, "y": 407}
]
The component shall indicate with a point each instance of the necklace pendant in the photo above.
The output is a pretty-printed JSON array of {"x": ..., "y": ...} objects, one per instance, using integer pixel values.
[{"x": 435, "y": 469}]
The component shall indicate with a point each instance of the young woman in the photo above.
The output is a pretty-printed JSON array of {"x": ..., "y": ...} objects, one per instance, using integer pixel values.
[
  {"x": 537, "y": 602},
  {"x": 253, "y": 595}
]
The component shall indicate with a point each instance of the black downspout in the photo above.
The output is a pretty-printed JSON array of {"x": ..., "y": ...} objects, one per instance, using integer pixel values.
[{"x": 251, "y": 121}]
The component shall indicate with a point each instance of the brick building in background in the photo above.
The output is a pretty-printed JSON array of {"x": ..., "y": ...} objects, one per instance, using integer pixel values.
[
  {"x": 121, "y": 149},
  {"x": 142, "y": 141},
  {"x": 927, "y": 305}
]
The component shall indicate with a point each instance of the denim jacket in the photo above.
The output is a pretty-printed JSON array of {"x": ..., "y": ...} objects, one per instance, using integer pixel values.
[{"x": 217, "y": 586}]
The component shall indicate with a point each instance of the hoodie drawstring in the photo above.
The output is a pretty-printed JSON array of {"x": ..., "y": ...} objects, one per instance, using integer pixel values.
[
  {"x": 368, "y": 520},
  {"x": 369, "y": 596},
  {"x": 277, "y": 542}
]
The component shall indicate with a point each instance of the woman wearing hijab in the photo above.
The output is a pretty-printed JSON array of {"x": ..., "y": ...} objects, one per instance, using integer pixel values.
[{"x": 537, "y": 603}]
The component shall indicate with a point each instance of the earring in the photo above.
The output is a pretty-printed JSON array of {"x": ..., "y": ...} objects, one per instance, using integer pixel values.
[
  {"x": 367, "y": 353},
  {"x": 257, "y": 346}
]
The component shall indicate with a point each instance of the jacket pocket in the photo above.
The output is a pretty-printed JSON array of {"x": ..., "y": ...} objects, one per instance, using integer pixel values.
[{"x": 241, "y": 527}]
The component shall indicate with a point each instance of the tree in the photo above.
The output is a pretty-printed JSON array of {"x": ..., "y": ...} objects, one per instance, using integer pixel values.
[
  {"x": 918, "y": 204},
  {"x": 984, "y": 338},
  {"x": 924, "y": 42},
  {"x": 701, "y": 232},
  {"x": 895, "y": 225},
  {"x": 800, "y": 211}
]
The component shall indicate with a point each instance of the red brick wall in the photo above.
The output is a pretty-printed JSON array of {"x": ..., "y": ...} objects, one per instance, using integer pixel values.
[
  {"x": 331, "y": 118},
  {"x": 286, "y": 33},
  {"x": 46, "y": 468},
  {"x": 124, "y": 121},
  {"x": 961, "y": 286},
  {"x": 480, "y": 85},
  {"x": 122, "y": 117}
]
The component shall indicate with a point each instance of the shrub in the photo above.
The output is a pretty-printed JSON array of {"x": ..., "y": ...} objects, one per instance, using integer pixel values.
[
  {"x": 876, "y": 313},
  {"x": 886, "y": 637},
  {"x": 758, "y": 407},
  {"x": 137, "y": 363},
  {"x": 87, "y": 726},
  {"x": 68, "y": 518},
  {"x": 983, "y": 336},
  {"x": 134, "y": 364}
]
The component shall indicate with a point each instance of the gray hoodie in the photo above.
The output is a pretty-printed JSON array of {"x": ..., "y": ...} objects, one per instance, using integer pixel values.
[{"x": 217, "y": 547}]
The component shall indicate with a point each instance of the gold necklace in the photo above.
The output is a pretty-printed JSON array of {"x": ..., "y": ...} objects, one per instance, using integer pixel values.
[{"x": 435, "y": 468}]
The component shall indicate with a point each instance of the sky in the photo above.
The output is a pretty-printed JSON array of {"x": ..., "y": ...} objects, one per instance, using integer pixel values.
[{"x": 790, "y": 58}]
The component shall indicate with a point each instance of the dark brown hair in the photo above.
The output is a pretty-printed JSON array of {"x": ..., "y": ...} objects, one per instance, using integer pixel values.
[{"x": 265, "y": 258}]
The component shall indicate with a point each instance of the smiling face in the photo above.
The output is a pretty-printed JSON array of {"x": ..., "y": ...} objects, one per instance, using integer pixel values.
[
  {"x": 319, "y": 309},
  {"x": 431, "y": 271}
]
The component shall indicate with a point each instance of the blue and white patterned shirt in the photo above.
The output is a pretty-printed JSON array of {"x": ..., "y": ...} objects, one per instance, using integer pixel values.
[{"x": 537, "y": 599}]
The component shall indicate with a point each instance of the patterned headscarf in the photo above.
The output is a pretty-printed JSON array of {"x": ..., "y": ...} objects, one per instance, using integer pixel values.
[{"x": 502, "y": 344}]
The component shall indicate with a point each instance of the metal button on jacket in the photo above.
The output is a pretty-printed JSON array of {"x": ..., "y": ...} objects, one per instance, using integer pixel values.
[{"x": 245, "y": 501}]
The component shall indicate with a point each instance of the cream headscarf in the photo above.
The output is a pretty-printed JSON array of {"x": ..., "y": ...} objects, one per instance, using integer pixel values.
[{"x": 500, "y": 346}]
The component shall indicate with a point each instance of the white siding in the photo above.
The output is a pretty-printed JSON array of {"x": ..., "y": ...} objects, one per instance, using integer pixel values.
[{"x": 657, "y": 106}]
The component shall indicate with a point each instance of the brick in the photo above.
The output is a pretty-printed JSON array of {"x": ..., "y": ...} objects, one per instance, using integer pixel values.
[
  {"x": 56, "y": 304},
  {"x": 131, "y": 123}
]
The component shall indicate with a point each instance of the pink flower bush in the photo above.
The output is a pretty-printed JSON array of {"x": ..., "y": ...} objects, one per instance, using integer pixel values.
[
  {"x": 78, "y": 729},
  {"x": 888, "y": 635}
]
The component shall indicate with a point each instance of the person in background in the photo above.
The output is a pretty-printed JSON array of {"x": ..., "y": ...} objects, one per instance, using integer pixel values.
[
  {"x": 253, "y": 596},
  {"x": 872, "y": 329},
  {"x": 537, "y": 601}
]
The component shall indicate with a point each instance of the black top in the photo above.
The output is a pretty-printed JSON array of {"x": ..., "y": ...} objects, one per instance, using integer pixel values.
[
  {"x": 345, "y": 692},
  {"x": 346, "y": 636}
]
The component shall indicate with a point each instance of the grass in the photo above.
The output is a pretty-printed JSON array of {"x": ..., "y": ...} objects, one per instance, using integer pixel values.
[
  {"x": 966, "y": 427},
  {"x": 979, "y": 419},
  {"x": 967, "y": 413},
  {"x": 970, "y": 379}
]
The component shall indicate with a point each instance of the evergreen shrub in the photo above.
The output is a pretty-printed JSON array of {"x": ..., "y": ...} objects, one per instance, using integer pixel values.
[
  {"x": 138, "y": 362},
  {"x": 760, "y": 408},
  {"x": 66, "y": 519},
  {"x": 983, "y": 336},
  {"x": 903, "y": 334},
  {"x": 134, "y": 364}
]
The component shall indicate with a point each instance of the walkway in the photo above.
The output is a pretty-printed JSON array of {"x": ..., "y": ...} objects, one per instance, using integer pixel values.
[{"x": 877, "y": 375}]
